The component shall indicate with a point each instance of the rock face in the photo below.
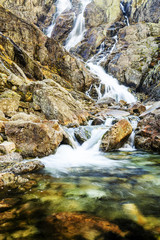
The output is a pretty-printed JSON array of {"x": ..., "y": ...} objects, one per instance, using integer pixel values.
[
  {"x": 116, "y": 136},
  {"x": 34, "y": 139},
  {"x": 130, "y": 64},
  {"x": 148, "y": 132},
  {"x": 56, "y": 102},
  {"x": 33, "y": 11}
]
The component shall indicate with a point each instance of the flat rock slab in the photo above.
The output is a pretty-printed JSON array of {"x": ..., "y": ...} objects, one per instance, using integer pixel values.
[{"x": 117, "y": 113}]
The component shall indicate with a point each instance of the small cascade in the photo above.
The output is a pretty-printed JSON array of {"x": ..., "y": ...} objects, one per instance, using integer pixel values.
[
  {"x": 88, "y": 155},
  {"x": 126, "y": 8},
  {"x": 77, "y": 33},
  {"x": 61, "y": 6}
]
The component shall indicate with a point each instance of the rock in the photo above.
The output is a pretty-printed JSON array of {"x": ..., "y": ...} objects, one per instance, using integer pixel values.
[
  {"x": 116, "y": 136},
  {"x": 11, "y": 157},
  {"x": 2, "y": 126},
  {"x": 49, "y": 56},
  {"x": 9, "y": 102},
  {"x": 137, "y": 109},
  {"x": 63, "y": 26},
  {"x": 25, "y": 117},
  {"x": 108, "y": 101},
  {"x": 117, "y": 113},
  {"x": 147, "y": 136},
  {"x": 97, "y": 121},
  {"x": 57, "y": 103},
  {"x": 150, "y": 83},
  {"x": 2, "y": 117},
  {"x": 130, "y": 62},
  {"x": 82, "y": 135},
  {"x": 9, "y": 160},
  {"x": 80, "y": 226},
  {"x": 25, "y": 167},
  {"x": 7, "y": 147},
  {"x": 34, "y": 139},
  {"x": 37, "y": 12},
  {"x": 10, "y": 180},
  {"x": 151, "y": 109},
  {"x": 147, "y": 12}
]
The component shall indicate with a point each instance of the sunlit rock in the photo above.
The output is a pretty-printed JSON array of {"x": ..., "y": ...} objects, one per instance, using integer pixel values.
[
  {"x": 34, "y": 139},
  {"x": 116, "y": 136}
]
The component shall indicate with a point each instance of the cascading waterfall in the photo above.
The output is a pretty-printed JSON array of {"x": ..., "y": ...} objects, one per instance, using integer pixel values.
[
  {"x": 77, "y": 33},
  {"x": 61, "y": 6},
  {"x": 126, "y": 8},
  {"x": 67, "y": 159}
]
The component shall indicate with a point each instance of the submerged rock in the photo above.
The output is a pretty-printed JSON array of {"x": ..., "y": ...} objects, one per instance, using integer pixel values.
[
  {"x": 80, "y": 226},
  {"x": 116, "y": 136}
]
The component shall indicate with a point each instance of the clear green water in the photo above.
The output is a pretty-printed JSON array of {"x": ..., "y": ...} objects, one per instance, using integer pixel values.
[{"x": 127, "y": 194}]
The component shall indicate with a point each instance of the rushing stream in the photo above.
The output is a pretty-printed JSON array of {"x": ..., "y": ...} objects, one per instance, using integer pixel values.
[{"x": 122, "y": 187}]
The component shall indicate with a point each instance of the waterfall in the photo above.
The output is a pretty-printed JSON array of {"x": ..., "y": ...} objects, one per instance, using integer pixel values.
[
  {"x": 61, "y": 6},
  {"x": 126, "y": 8},
  {"x": 77, "y": 33},
  {"x": 112, "y": 87}
]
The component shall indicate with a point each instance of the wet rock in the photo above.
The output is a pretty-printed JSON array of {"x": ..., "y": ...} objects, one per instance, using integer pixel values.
[
  {"x": 81, "y": 226},
  {"x": 137, "y": 109},
  {"x": 108, "y": 101},
  {"x": 49, "y": 56},
  {"x": 97, "y": 121},
  {"x": 25, "y": 167},
  {"x": 82, "y": 135},
  {"x": 9, "y": 180},
  {"x": 63, "y": 26},
  {"x": 34, "y": 139},
  {"x": 117, "y": 113},
  {"x": 116, "y": 136},
  {"x": 148, "y": 132},
  {"x": 7, "y": 147}
]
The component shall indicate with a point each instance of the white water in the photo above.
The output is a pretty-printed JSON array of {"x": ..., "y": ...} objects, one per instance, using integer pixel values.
[
  {"x": 87, "y": 155},
  {"x": 124, "y": 13},
  {"x": 68, "y": 159},
  {"x": 61, "y": 6},
  {"x": 77, "y": 33}
]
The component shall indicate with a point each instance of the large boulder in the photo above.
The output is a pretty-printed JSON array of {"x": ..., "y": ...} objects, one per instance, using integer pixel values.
[
  {"x": 148, "y": 131},
  {"x": 34, "y": 139},
  {"x": 56, "y": 102},
  {"x": 116, "y": 136},
  {"x": 85, "y": 227}
]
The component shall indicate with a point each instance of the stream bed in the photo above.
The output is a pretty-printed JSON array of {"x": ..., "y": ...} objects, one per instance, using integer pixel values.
[{"x": 123, "y": 191}]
